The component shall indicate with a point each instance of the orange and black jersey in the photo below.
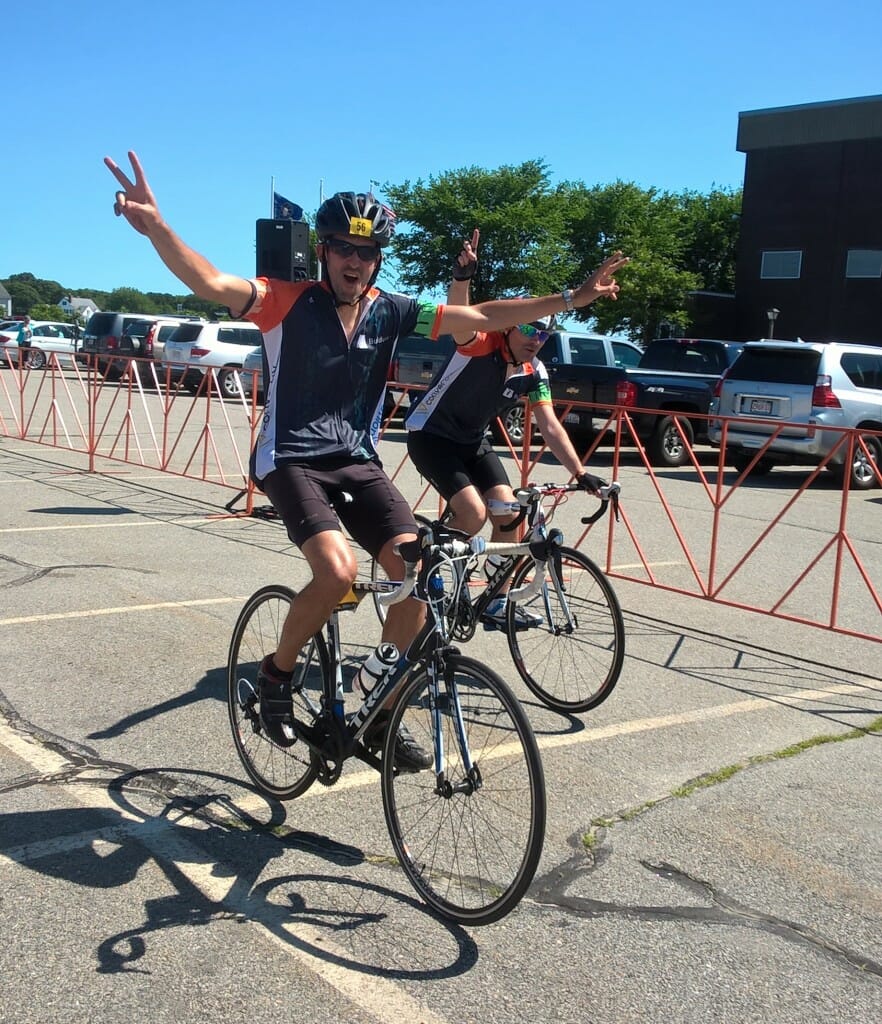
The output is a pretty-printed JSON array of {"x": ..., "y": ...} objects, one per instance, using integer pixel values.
[
  {"x": 323, "y": 394},
  {"x": 474, "y": 385}
]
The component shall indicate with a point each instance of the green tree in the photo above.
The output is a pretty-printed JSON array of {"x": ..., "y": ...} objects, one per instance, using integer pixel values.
[
  {"x": 516, "y": 210},
  {"x": 49, "y": 311},
  {"x": 712, "y": 224},
  {"x": 130, "y": 300}
]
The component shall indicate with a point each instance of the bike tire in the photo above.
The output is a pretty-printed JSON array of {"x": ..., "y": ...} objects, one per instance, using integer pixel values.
[
  {"x": 471, "y": 855},
  {"x": 378, "y": 575},
  {"x": 281, "y": 772},
  {"x": 570, "y": 670}
]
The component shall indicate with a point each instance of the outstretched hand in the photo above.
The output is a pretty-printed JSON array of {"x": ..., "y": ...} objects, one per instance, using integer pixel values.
[
  {"x": 602, "y": 283},
  {"x": 467, "y": 261},
  {"x": 134, "y": 201}
]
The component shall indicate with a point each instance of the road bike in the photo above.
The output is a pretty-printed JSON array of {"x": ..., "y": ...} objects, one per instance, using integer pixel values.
[
  {"x": 571, "y": 656},
  {"x": 468, "y": 832}
]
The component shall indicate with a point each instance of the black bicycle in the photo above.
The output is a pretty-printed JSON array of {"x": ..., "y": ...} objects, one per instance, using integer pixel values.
[
  {"x": 467, "y": 832},
  {"x": 568, "y": 642}
]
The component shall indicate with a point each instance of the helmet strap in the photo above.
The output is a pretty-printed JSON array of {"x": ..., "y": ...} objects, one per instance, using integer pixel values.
[
  {"x": 511, "y": 356},
  {"x": 327, "y": 277}
]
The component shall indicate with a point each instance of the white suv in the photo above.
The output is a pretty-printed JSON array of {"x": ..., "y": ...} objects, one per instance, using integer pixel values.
[
  {"x": 787, "y": 391},
  {"x": 193, "y": 350}
]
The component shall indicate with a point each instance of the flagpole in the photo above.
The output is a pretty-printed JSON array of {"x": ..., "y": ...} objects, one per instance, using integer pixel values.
[
  {"x": 318, "y": 273},
  {"x": 272, "y": 196}
]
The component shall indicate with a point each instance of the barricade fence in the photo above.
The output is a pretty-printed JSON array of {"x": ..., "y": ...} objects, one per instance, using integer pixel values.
[{"x": 800, "y": 546}]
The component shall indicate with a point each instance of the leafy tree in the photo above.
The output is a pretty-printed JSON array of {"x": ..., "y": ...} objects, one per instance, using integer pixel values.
[
  {"x": 23, "y": 294},
  {"x": 712, "y": 223},
  {"x": 130, "y": 300},
  {"x": 49, "y": 311},
  {"x": 515, "y": 208}
]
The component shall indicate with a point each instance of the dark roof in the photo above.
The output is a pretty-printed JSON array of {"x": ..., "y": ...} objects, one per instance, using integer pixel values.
[{"x": 810, "y": 123}]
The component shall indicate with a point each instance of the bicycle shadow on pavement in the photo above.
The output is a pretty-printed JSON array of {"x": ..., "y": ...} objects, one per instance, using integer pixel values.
[{"x": 169, "y": 817}]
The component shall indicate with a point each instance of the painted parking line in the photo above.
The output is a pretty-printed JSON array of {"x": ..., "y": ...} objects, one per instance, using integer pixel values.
[
  {"x": 120, "y": 610},
  {"x": 209, "y": 516}
]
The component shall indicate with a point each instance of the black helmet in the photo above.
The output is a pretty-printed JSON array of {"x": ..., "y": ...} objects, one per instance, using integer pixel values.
[{"x": 348, "y": 213}]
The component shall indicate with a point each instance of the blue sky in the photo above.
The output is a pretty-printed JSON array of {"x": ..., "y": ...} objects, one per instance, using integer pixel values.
[{"x": 218, "y": 98}]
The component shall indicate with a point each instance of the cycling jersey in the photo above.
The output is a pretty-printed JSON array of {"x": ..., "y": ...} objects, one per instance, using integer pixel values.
[
  {"x": 473, "y": 386},
  {"x": 323, "y": 394}
]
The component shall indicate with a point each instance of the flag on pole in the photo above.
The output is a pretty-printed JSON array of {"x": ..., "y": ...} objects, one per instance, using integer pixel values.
[{"x": 284, "y": 209}]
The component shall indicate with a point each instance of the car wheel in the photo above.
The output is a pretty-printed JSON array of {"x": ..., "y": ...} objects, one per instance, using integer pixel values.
[
  {"x": 228, "y": 382},
  {"x": 741, "y": 460},
  {"x": 512, "y": 420},
  {"x": 666, "y": 446},
  {"x": 863, "y": 477},
  {"x": 35, "y": 359}
]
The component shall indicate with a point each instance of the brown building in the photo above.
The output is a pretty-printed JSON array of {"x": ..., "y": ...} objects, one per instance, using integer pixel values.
[{"x": 811, "y": 224}]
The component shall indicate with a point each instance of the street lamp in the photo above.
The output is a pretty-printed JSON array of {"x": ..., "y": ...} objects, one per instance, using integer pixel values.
[{"x": 772, "y": 314}]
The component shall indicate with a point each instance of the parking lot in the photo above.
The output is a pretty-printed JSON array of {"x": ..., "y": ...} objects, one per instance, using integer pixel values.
[{"x": 136, "y": 865}]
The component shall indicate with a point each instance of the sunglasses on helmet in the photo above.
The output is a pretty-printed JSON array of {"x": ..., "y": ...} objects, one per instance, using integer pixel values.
[
  {"x": 529, "y": 331},
  {"x": 366, "y": 253}
]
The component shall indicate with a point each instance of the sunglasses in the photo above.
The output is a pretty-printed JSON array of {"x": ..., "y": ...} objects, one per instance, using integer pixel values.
[
  {"x": 529, "y": 331},
  {"x": 366, "y": 253}
]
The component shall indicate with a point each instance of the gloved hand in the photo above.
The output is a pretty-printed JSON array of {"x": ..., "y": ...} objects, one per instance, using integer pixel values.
[
  {"x": 591, "y": 483},
  {"x": 467, "y": 261}
]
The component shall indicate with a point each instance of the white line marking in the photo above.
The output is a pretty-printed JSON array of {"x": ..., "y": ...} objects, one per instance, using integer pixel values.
[{"x": 121, "y": 610}]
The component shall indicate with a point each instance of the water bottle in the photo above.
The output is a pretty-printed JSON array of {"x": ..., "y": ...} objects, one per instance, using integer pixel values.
[{"x": 376, "y": 666}]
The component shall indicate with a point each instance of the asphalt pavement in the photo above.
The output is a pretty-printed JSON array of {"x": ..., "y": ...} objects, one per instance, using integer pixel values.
[{"x": 713, "y": 850}]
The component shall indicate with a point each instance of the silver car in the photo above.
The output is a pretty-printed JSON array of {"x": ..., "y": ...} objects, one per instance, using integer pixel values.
[{"x": 787, "y": 390}]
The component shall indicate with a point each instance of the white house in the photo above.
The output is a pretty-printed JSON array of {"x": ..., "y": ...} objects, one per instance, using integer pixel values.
[
  {"x": 83, "y": 308},
  {"x": 5, "y": 302}
]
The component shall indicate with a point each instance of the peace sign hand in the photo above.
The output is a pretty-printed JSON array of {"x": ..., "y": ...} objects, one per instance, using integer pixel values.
[
  {"x": 134, "y": 201},
  {"x": 602, "y": 283}
]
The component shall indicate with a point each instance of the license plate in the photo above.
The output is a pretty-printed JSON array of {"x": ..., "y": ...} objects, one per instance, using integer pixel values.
[
  {"x": 761, "y": 406},
  {"x": 572, "y": 417}
]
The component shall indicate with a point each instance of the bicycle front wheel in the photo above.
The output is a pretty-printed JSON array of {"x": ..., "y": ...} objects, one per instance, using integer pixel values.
[
  {"x": 468, "y": 835},
  {"x": 570, "y": 654},
  {"x": 282, "y": 772}
]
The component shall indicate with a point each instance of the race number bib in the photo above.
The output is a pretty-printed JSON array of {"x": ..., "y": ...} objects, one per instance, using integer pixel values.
[{"x": 360, "y": 226}]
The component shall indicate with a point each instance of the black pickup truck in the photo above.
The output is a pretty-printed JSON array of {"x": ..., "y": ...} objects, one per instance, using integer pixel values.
[{"x": 674, "y": 376}]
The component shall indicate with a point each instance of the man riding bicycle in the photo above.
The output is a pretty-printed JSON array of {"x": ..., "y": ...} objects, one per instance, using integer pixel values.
[
  {"x": 447, "y": 426},
  {"x": 327, "y": 347}
]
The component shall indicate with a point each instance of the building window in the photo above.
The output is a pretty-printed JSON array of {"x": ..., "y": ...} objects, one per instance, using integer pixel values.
[
  {"x": 864, "y": 263},
  {"x": 785, "y": 264}
]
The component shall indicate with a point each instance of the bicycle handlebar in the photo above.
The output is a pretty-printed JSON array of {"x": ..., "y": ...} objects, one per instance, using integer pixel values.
[{"x": 527, "y": 498}]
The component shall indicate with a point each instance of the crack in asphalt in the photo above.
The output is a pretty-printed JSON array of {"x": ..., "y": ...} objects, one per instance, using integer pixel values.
[
  {"x": 550, "y": 891},
  {"x": 36, "y": 572}
]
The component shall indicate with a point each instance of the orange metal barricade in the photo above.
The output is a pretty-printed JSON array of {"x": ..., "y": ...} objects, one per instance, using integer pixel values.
[{"x": 702, "y": 531}]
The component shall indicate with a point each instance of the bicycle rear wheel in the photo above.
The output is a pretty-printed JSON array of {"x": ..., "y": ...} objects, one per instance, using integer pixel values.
[
  {"x": 282, "y": 772},
  {"x": 572, "y": 659},
  {"x": 469, "y": 838}
]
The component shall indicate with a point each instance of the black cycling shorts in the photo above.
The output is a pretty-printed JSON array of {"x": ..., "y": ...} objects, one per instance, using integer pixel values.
[
  {"x": 302, "y": 495},
  {"x": 450, "y": 466}
]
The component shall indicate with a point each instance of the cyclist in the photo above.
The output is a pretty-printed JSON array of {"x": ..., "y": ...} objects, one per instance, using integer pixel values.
[
  {"x": 327, "y": 346},
  {"x": 447, "y": 426}
]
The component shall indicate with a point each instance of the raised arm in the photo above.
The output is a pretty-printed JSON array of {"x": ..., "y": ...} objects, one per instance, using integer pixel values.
[
  {"x": 135, "y": 202},
  {"x": 500, "y": 314},
  {"x": 459, "y": 292}
]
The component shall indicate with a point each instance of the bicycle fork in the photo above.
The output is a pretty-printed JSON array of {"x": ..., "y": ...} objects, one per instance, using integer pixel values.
[{"x": 471, "y": 780}]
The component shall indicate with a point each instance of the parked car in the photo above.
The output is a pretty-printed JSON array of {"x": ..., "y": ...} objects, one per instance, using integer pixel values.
[
  {"x": 252, "y": 372},
  {"x": 196, "y": 348},
  {"x": 148, "y": 336},
  {"x": 106, "y": 336},
  {"x": 48, "y": 336},
  {"x": 804, "y": 385}
]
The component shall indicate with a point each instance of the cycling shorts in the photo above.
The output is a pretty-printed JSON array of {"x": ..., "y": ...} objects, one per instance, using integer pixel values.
[
  {"x": 302, "y": 494},
  {"x": 450, "y": 466}
]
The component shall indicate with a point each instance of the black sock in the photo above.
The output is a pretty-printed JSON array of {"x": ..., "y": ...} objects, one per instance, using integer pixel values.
[{"x": 276, "y": 673}]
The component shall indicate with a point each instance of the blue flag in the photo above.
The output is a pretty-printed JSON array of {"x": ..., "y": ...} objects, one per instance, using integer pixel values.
[{"x": 284, "y": 209}]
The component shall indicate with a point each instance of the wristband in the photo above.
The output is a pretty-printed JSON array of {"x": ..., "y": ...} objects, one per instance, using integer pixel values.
[{"x": 567, "y": 296}]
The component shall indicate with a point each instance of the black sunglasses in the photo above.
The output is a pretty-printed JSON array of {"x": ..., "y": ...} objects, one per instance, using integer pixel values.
[{"x": 366, "y": 253}]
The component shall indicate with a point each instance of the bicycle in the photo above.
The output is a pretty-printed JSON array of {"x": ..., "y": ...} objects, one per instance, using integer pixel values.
[
  {"x": 571, "y": 657},
  {"x": 468, "y": 832}
]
